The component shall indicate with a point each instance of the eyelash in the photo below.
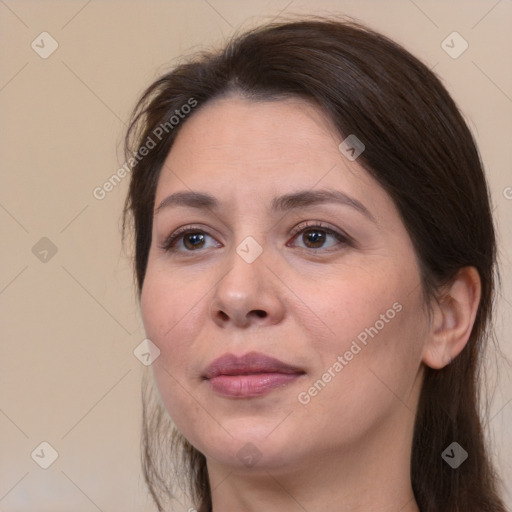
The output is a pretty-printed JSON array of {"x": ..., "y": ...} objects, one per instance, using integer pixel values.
[{"x": 169, "y": 244}]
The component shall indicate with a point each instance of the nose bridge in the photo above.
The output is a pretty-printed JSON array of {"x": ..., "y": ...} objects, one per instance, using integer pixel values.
[
  {"x": 247, "y": 292},
  {"x": 246, "y": 266}
]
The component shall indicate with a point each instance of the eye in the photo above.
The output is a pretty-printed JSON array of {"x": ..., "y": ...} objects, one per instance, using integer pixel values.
[
  {"x": 313, "y": 236},
  {"x": 316, "y": 236},
  {"x": 186, "y": 239}
]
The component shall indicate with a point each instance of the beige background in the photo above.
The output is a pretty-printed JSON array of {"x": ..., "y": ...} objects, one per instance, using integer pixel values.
[{"x": 69, "y": 325}]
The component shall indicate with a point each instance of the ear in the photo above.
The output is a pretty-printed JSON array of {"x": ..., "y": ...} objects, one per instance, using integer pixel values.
[{"x": 453, "y": 318}]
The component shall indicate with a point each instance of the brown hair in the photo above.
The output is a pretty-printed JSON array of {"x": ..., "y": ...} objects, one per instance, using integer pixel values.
[{"x": 422, "y": 153}]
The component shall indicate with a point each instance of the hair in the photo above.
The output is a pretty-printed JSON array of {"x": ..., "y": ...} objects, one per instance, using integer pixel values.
[{"x": 419, "y": 149}]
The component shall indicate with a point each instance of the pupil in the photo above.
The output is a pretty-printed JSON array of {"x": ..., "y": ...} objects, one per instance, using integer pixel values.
[
  {"x": 315, "y": 237},
  {"x": 192, "y": 239}
]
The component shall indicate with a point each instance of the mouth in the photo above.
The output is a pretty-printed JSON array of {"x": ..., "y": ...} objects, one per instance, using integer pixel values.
[{"x": 249, "y": 376}]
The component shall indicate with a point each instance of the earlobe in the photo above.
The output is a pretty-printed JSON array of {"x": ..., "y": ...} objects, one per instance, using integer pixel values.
[{"x": 453, "y": 318}]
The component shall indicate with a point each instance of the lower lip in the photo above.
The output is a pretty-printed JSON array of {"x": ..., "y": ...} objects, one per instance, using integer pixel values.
[{"x": 248, "y": 386}]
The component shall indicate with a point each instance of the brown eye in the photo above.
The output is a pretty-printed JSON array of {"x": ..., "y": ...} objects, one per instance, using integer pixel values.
[
  {"x": 187, "y": 240},
  {"x": 314, "y": 238},
  {"x": 319, "y": 237},
  {"x": 193, "y": 240}
]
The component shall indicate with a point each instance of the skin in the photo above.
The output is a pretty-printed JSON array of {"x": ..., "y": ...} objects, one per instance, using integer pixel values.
[{"x": 349, "y": 447}]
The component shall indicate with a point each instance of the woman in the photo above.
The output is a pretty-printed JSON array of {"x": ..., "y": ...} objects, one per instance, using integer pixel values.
[{"x": 314, "y": 253}]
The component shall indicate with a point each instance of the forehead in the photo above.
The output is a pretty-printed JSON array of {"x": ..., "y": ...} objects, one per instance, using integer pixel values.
[
  {"x": 250, "y": 156},
  {"x": 263, "y": 143},
  {"x": 218, "y": 122}
]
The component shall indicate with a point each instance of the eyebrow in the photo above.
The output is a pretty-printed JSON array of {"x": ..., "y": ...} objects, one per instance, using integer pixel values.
[{"x": 292, "y": 201}]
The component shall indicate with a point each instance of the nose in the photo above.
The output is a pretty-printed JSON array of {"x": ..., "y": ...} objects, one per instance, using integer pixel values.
[{"x": 248, "y": 294}]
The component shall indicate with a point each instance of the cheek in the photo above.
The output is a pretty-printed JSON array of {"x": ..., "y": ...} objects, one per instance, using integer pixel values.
[
  {"x": 375, "y": 323},
  {"x": 383, "y": 353},
  {"x": 172, "y": 313},
  {"x": 380, "y": 358},
  {"x": 358, "y": 306}
]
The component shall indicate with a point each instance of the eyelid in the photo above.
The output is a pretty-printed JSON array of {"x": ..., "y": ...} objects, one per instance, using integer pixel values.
[
  {"x": 170, "y": 241},
  {"x": 168, "y": 244},
  {"x": 340, "y": 234}
]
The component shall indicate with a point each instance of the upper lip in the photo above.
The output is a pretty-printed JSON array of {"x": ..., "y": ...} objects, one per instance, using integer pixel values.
[{"x": 251, "y": 363}]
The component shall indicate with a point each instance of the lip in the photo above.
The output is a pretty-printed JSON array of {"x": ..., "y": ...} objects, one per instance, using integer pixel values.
[{"x": 251, "y": 375}]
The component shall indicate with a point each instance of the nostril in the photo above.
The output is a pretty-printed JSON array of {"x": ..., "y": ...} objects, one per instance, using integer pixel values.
[{"x": 223, "y": 315}]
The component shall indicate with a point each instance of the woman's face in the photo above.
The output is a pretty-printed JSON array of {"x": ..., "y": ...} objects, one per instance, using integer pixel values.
[{"x": 297, "y": 254}]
